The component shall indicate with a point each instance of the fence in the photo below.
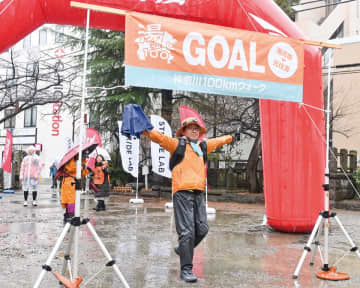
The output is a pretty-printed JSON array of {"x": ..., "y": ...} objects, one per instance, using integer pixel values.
[
  {"x": 345, "y": 159},
  {"x": 340, "y": 187},
  {"x": 231, "y": 174}
]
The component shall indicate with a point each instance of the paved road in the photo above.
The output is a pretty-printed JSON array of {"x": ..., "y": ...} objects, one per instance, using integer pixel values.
[{"x": 236, "y": 253}]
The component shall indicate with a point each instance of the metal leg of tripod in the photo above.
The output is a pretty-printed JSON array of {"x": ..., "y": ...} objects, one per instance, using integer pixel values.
[
  {"x": 316, "y": 245},
  {"x": 307, "y": 248},
  {"x": 46, "y": 267},
  {"x": 354, "y": 248},
  {"x": 67, "y": 257},
  {"x": 111, "y": 262}
]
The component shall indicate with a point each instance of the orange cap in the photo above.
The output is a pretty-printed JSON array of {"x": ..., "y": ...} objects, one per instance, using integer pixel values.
[{"x": 187, "y": 122}]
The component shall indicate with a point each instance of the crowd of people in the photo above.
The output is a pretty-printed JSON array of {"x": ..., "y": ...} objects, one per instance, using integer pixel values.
[
  {"x": 31, "y": 167},
  {"x": 187, "y": 163}
]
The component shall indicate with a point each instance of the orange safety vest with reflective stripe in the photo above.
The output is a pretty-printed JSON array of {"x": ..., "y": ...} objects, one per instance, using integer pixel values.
[{"x": 189, "y": 174}]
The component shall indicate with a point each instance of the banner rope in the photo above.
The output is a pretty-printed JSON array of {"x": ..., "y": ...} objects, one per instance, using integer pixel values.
[
  {"x": 332, "y": 152},
  {"x": 7, "y": 6},
  {"x": 314, "y": 107}
]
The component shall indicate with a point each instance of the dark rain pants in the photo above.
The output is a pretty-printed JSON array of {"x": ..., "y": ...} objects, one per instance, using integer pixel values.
[{"x": 191, "y": 223}]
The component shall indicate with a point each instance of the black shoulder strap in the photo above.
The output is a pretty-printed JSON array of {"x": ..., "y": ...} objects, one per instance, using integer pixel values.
[
  {"x": 178, "y": 154},
  {"x": 203, "y": 147}
]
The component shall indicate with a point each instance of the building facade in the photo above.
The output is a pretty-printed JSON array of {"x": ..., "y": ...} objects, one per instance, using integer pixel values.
[
  {"x": 338, "y": 22},
  {"x": 41, "y": 57}
]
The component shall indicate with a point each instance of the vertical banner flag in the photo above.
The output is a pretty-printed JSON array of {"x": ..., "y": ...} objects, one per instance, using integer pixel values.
[
  {"x": 129, "y": 152},
  {"x": 186, "y": 112},
  {"x": 7, "y": 156},
  {"x": 159, "y": 156},
  {"x": 168, "y": 53},
  {"x": 92, "y": 136}
]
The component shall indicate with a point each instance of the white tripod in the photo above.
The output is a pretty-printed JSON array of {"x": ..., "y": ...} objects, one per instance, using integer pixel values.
[
  {"x": 322, "y": 222},
  {"x": 76, "y": 221}
]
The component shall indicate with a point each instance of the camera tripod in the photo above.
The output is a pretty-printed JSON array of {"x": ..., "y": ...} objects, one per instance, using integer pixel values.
[
  {"x": 75, "y": 223},
  {"x": 322, "y": 223},
  {"x": 73, "y": 227}
]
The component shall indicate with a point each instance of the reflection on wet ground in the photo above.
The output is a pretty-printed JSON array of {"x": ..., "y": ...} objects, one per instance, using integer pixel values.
[{"x": 238, "y": 252}]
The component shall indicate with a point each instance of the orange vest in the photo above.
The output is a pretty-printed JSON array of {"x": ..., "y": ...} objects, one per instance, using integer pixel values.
[
  {"x": 99, "y": 175},
  {"x": 67, "y": 187}
]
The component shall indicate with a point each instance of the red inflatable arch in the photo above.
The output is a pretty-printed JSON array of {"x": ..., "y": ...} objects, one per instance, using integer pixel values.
[{"x": 293, "y": 152}]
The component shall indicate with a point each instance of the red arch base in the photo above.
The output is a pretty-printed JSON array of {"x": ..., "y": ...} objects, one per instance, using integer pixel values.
[{"x": 293, "y": 152}]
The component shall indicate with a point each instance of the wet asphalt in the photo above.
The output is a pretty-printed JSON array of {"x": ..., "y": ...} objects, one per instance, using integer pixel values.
[{"x": 238, "y": 251}]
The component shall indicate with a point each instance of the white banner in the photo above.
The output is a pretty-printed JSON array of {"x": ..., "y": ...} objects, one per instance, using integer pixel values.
[
  {"x": 159, "y": 156},
  {"x": 129, "y": 152}
]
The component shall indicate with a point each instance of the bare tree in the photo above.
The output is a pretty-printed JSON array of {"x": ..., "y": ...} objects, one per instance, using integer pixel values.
[
  {"x": 42, "y": 80},
  {"x": 223, "y": 115}
]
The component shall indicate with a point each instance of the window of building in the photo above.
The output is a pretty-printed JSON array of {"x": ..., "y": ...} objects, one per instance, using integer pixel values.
[
  {"x": 27, "y": 42},
  {"x": 325, "y": 57},
  {"x": 11, "y": 87},
  {"x": 59, "y": 34},
  {"x": 42, "y": 37},
  {"x": 9, "y": 123},
  {"x": 30, "y": 117},
  {"x": 32, "y": 69},
  {"x": 10, "y": 73},
  {"x": 331, "y": 5}
]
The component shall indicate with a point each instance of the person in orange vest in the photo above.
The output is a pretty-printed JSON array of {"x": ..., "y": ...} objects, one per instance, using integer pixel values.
[
  {"x": 68, "y": 186},
  {"x": 101, "y": 180},
  {"x": 188, "y": 184}
]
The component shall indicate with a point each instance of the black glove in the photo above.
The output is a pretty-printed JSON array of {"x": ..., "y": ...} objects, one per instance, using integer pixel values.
[{"x": 236, "y": 136}]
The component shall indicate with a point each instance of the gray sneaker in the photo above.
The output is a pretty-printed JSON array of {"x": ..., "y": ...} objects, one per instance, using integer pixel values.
[{"x": 187, "y": 275}]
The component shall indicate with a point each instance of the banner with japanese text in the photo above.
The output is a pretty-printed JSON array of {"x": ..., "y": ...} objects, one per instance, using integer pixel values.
[
  {"x": 159, "y": 156},
  {"x": 168, "y": 53},
  {"x": 129, "y": 152}
]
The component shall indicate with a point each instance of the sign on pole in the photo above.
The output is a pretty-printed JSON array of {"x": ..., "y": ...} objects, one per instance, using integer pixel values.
[
  {"x": 174, "y": 54},
  {"x": 159, "y": 156},
  {"x": 7, "y": 157},
  {"x": 129, "y": 152}
]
